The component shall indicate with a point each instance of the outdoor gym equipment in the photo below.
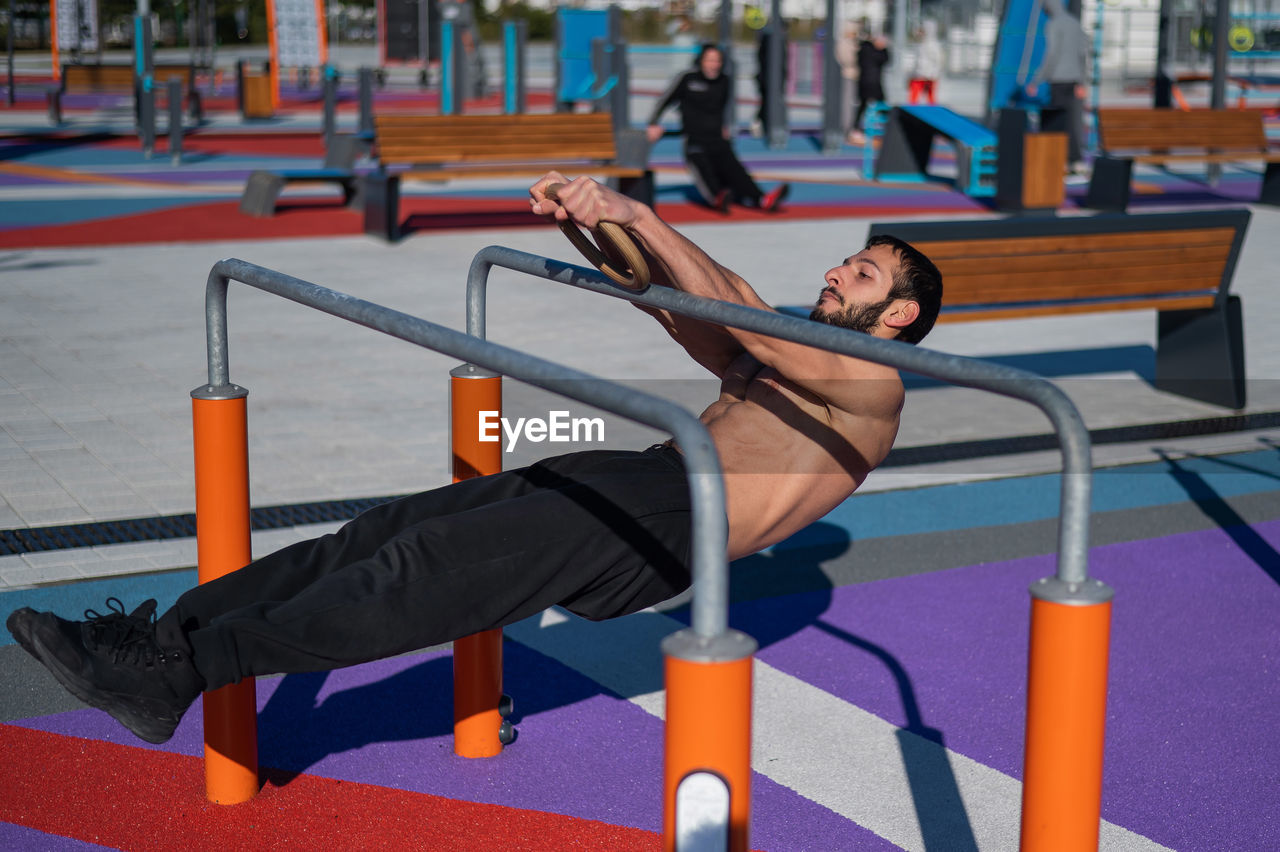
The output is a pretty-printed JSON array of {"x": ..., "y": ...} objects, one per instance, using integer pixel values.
[
  {"x": 708, "y": 666},
  {"x": 635, "y": 273}
]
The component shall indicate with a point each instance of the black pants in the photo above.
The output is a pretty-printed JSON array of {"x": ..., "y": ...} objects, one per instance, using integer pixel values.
[
  {"x": 715, "y": 166},
  {"x": 602, "y": 533},
  {"x": 869, "y": 91}
]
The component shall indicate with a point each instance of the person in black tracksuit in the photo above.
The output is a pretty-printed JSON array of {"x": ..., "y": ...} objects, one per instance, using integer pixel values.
[{"x": 702, "y": 94}]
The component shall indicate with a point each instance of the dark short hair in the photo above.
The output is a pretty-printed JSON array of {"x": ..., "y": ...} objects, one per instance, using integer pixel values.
[
  {"x": 702, "y": 51},
  {"x": 916, "y": 279}
]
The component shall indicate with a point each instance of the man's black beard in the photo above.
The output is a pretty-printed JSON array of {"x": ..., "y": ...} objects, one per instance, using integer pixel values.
[{"x": 863, "y": 318}]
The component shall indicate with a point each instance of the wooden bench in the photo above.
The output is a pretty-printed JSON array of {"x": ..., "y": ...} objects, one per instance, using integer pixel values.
[
  {"x": 117, "y": 80},
  {"x": 1180, "y": 264},
  {"x": 467, "y": 147},
  {"x": 1165, "y": 136}
]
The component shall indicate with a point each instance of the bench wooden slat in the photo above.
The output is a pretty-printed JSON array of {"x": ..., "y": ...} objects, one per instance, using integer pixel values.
[
  {"x": 1087, "y": 261},
  {"x": 451, "y": 149},
  {"x": 1074, "y": 243},
  {"x": 529, "y": 169},
  {"x": 980, "y": 291},
  {"x": 80, "y": 79},
  {"x": 1160, "y": 131},
  {"x": 1187, "y": 303}
]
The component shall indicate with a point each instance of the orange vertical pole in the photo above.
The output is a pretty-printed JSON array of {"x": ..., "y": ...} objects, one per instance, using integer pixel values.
[
  {"x": 53, "y": 39},
  {"x": 708, "y": 727},
  {"x": 219, "y": 417},
  {"x": 1066, "y": 715},
  {"x": 477, "y": 659},
  {"x": 273, "y": 51}
]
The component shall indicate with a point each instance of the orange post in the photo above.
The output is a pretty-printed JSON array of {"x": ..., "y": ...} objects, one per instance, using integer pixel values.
[
  {"x": 1066, "y": 715},
  {"x": 222, "y": 543},
  {"x": 708, "y": 727},
  {"x": 477, "y": 659}
]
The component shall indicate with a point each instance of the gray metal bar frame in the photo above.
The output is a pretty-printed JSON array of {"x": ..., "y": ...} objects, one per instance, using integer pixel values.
[
  {"x": 1073, "y": 532},
  {"x": 710, "y": 525}
]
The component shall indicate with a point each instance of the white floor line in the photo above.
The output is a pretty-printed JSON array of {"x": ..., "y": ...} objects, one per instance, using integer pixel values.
[{"x": 827, "y": 750}]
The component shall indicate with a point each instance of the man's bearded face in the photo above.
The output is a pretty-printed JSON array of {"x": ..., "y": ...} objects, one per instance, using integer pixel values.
[{"x": 858, "y": 316}]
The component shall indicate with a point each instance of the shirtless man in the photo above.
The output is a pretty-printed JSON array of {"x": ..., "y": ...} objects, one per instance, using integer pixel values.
[{"x": 601, "y": 533}]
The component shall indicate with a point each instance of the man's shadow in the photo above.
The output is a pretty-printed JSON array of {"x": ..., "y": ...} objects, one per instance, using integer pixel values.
[
  {"x": 793, "y": 574},
  {"x": 415, "y": 703}
]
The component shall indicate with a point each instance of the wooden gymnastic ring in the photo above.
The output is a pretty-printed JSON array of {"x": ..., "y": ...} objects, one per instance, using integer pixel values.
[{"x": 633, "y": 276}]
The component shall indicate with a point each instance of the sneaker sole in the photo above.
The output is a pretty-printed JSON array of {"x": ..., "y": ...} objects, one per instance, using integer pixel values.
[{"x": 128, "y": 711}]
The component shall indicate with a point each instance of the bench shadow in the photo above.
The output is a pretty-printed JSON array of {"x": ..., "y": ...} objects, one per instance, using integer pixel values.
[
  {"x": 513, "y": 218},
  {"x": 1139, "y": 360},
  {"x": 1220, "y": 512},
  {"x": 24, "y": 145}
]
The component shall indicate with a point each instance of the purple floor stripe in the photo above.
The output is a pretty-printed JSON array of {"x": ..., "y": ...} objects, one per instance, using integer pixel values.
[
  {"x": 1194, "y": 689},
  {"x": 29, "y": 840}
]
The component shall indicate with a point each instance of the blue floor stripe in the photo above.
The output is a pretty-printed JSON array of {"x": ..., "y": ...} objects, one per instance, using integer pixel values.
[
  {"x": 1034, "y": 498},
  {"x": 69, "y": 600}
]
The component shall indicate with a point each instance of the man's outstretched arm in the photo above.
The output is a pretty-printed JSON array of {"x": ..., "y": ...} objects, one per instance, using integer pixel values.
[
  {"x": 707, "y": 343},
  {"x": 688, "y": 268}
]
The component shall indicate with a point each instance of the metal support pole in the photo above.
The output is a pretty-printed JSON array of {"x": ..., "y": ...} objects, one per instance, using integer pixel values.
[
  {"x": 221, "y": 444},
  {"x": 775, "y": 116},
  {"x": 620, "y": 99},
  {"x": 1066, "y": 715},
  {"x": 453, "y": 68},
  {"x": 146, "y": 116},
  {"x": 174, "y": 91},
  {"x": 832, "y": 86},
  {"x": 621, "y": 94},
  {"x": 1162, "y": 95},
  {"x": 515, "y": 34},
  {"x": 477, "y": 659},
  {"x": 9, "y": 53},
  {"x": 898, "y": 68},
  {"x": 602, "y": 71},
  {"x": 1221, "y": 34},
  {"x": 330, "y": 126},
  {"x": 707, "y": 741},
  {"x": 365, "y": 85},
  {"x": 725, "y": 40}
]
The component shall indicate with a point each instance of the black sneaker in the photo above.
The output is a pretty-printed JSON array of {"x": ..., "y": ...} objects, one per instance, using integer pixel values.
[
  {"x": 114, "y": 663},
  {"x": 773, "y": 199}
]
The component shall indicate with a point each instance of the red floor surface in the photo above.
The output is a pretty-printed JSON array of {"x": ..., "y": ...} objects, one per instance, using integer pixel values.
[{"x": 143, "y": 799}]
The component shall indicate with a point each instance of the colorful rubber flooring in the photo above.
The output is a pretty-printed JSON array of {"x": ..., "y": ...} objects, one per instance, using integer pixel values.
[
  {"x": 78, "y": 187},
  {"x": 890, "y": 681},
  {"x": 889, "y": 706}
]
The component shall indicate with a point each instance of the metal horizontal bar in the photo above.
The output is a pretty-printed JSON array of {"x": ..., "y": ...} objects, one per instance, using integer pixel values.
[
  {"x": 710, "y": 527},
  {"x": 1073, "y": 534}
]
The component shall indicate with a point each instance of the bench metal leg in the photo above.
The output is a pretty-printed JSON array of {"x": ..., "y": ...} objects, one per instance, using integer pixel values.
[
  {"x": 639, "y": 188},
  {"x": 55, "y": 107},
  {"x": 1109, "y": 186},
  {"x": 1200, "y": 354},
  {"x": 260, "y": 194},
  {"x": 1270, "y": 185},
  {"x": 382, "y": 205}
]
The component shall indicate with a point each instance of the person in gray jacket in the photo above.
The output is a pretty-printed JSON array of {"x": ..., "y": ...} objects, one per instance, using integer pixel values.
[{"x": 1064, "y": 68}]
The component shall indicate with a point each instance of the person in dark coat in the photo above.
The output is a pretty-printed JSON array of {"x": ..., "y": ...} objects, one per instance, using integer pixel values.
[
  {"x": 873, "y": 55},
  {"x": 701, "y": 94}
]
